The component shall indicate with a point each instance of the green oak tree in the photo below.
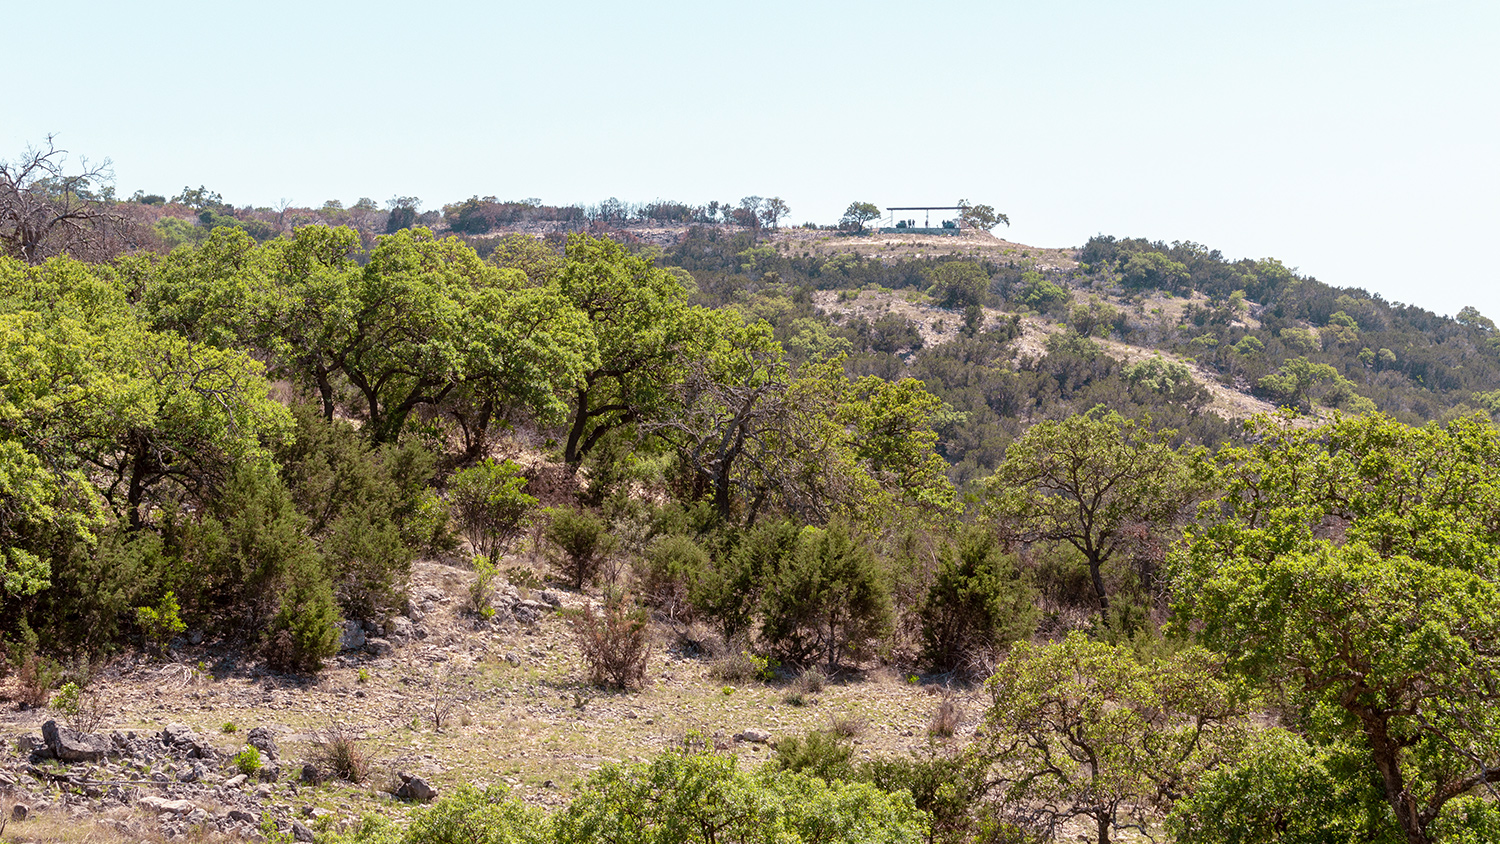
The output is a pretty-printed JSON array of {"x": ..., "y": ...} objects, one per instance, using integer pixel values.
[
  {"x": 1085, "y": 729},
  {"x": 857, "y": 214},
  {"x": 1089, "y": 481},
  {"x": 983, "y": 217},
  {"x": 1354, "y": 566},
  {"x": 644, "y": 332}
]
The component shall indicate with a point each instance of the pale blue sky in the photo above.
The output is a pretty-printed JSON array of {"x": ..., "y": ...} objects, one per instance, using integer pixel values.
[{"x": 1356, "y": 141}]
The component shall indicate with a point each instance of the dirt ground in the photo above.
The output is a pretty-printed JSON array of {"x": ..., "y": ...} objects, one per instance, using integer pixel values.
[{"x": 516, "y": 706}]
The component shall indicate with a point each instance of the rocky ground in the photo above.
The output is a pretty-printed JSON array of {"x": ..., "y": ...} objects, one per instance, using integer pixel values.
[{"x": 430, "y": 699}]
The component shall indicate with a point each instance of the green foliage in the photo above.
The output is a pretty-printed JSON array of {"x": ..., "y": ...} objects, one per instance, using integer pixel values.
[
  {"x": 482, "y": 589},
  {"x": 642, "y": 331},
  {"x": 1040, "y": 293},
  {"x": 369, "y": 507},
  {"x": 1388, "y": 627},
  {"x": 958, "y": 284},
  {"x": 472, "y": 816},
  {"x": 818, "y": 753},
  {"x": 699, "y": 797},
  {"x": 731, "y": 591},
  {"x": 1089, "y": 481},
  {"x": 582, "y": 542},
  {"x": 1094, "y": 318},
  {"x": 983, "y": 217},
  {"x": 305, "y": 628},
  {"x": 976, "y": 606},
  {"x": 1083, "y": 728},
  {"x": 1282, "y": 789},
  {"x": 670, "y": 574},
  {"x": 247, "y": 761},
  {"x": 1171, "y": 378},
  {"x": 491, "y": 503},
  {"x": 826, "y": 600},
  {"x": 953, "y": 789},
  {"x": 161, "y": 622},
  {"x": 1293, "y": 385},
  {"x": 1153, "y": 269},
  {"x": 857, "y": 214}
]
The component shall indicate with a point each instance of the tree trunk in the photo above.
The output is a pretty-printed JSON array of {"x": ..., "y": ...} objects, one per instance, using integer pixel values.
[
  {"x": 1386, "y": 756},
  {"x": 1095, "y": 566}
]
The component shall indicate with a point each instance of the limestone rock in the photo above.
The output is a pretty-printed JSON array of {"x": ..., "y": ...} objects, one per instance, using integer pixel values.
[
  {"x": 352, "y": 638},
  {"x": 71, "y": 746},
  {"x": 162, "y": 805},
  {"x": 264, "y": 740},
  {"x": 414, "y": 788}
]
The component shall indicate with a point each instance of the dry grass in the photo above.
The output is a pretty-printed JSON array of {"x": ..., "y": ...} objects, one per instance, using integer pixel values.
[
  {"x": 342, "y": 753},
  {"x": 946, "y": 718}
]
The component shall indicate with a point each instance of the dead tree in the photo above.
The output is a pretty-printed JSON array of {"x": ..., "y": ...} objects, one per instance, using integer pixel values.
[{"x": 45, "y": 211}]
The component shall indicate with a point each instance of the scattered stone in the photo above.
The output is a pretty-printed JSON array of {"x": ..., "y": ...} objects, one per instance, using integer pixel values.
[
  {"x": 235, "y": 781},
  {"x": 71, "y": 746},
  {"x": 240, "y": 816},
  {"x": 414, "y": 788},
  {"x": 180, "y": 736},
  {"x": 754, "y": 736},
  {"x": 262, "y": 739},
  {"x": 379, "y": 647},
  {"x": 300, "y": 832},
  {"x": 399, "y": 629},
  {"x": 353, "y": 636},
  {"x": 163, "y": 805}
]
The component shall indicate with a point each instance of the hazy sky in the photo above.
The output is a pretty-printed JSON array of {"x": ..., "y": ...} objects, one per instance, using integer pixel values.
[{"x": 1356, "y": 141}]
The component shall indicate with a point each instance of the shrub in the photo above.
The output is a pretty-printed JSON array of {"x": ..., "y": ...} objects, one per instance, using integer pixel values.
[
  {"x": 946, "y": 718},
  {"x": 370, "y": 507},
  {"x": 976, "y": 605},
  {"x": 822, "y": 754},
  {"x": 950, "y": 788},
  {"x": 36, "y": 675},
  {"x": 247, "y": 761},
  {"x": 827, "y": 600},
  {"x": 730, "y": 591},
  {"x": 482, "y": 589},
  {"x": 616, "y": 641},
  {"x": 305, "y": 628},
  {"x": 340, "y": 751},
  {"x": 491, "y": 503},
  {"x": 582, "y": 543},
  {"x": 672, "y": 566},
  {"x": 471, "y": 816},
  {"x": 161, "y": 622},
  {"x": 681, "y": 793},
  {"x": 82, "y": 707},
  {"x": 742, "y": 666}
]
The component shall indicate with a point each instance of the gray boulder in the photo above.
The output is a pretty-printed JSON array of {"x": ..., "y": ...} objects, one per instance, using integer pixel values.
[
  {"x": 71, "y": 746},
  {"x": 264, "y": 740},
  {"x": 414, "y": 788},
  {"x": 352, "y": 637}
]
